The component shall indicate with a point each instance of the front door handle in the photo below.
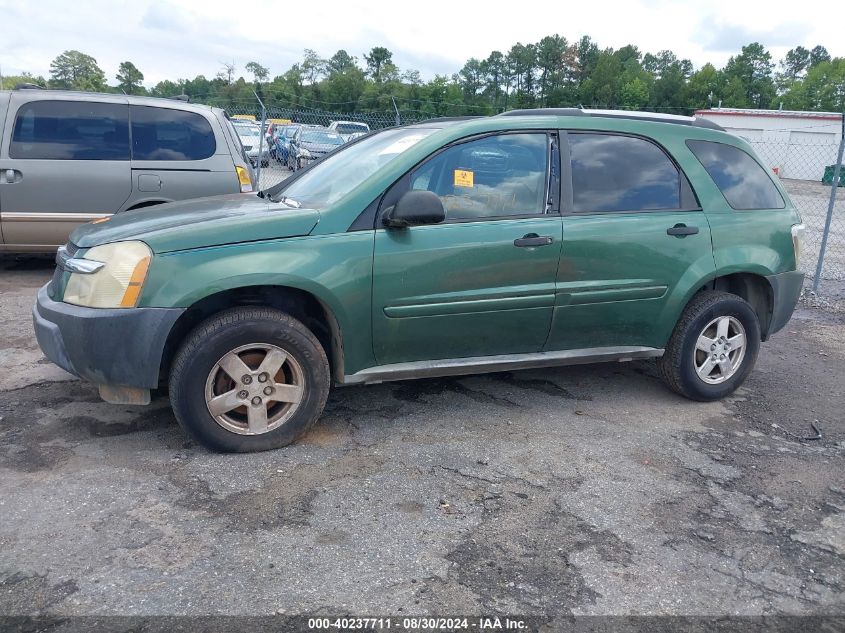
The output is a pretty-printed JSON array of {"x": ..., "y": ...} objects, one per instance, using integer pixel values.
[
  {"x": 532, "y": 239},
  {"x": 680, "y": 230}
]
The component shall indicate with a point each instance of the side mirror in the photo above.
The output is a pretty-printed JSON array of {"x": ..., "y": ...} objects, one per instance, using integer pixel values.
[{"x": 415, "y": 208}]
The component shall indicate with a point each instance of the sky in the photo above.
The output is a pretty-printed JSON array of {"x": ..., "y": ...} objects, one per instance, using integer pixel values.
[{"x": 172, "y": 39}]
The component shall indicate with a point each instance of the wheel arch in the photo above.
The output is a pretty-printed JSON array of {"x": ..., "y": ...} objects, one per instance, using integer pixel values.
[
  {"x": 753, "y": 287},
  {"x": 298, "y": 303}
]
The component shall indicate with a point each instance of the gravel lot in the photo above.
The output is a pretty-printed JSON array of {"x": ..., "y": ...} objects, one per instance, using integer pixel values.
[
  {"x": 583, "y": 490},
  {"x": 812, "y": 198}
]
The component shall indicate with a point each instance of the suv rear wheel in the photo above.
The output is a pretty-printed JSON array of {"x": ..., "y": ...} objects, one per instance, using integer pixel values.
[
  {"x": 249, "y": 379},
  {"x": 713, "y": 347}
]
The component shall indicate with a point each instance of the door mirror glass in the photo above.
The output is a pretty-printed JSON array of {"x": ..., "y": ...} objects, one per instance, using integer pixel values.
[{"x": 415, "y": 208}]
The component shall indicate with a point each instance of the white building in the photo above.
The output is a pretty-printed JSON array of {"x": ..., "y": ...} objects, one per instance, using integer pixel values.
[{"x": 794, "y": 144}]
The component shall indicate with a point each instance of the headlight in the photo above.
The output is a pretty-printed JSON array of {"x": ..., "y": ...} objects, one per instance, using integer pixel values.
[
  {"x": 798, "y": 235},
  {"x": 117, "y": 283}
]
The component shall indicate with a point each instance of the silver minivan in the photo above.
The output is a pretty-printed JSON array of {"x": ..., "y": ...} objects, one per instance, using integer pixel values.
[{"x": 72, "y": 157}]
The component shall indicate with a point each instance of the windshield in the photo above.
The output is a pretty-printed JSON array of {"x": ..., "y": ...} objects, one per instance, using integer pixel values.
[
  {"x": 339, "y": 173},
  {"x": 321, "y": 138},
  {"x": 290, "y": 131},
  {"x": 350, "y": 128}
]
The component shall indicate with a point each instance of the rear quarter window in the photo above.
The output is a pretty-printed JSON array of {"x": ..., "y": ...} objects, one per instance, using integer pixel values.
[
  {"x": 167, "y": 134},
  {"x": 741, "y": 179}
]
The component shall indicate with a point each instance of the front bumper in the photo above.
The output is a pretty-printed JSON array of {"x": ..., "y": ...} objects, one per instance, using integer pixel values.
[
  {"x": 107, "y": 347},
  {"x": 786, "y": 288}
]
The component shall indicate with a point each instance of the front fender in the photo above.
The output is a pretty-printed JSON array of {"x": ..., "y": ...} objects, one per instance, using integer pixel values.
[{"x": 337, "y": 271}]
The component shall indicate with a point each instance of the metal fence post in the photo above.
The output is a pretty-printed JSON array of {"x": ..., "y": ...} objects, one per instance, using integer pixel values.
[
  {"x": 834, "y": 185},
  {"x": 398, "y": 118},
  {"x": 260, "y": 140}
]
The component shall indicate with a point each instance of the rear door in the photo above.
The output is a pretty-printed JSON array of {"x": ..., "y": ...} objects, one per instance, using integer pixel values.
[
  {"x": 178, "y": 154},
  {"x": 634, "y": 241},
  {"x": 482, "y": 282},
  {"x": 66, "y": 162}
]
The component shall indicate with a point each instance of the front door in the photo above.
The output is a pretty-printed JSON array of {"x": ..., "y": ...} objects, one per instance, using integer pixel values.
[
  {"x": 65, "y": 163},
  {"x": 482, "y": 282},
  {"x": 634, "y": 239}
]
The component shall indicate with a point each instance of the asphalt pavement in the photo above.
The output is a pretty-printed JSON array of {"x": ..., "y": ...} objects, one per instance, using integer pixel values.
[{"x": 580, "y": 490}]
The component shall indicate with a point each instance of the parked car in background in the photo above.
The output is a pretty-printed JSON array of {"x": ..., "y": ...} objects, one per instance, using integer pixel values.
[
  {"x": 72, "y": 157},
  {"x": 283, "y": 139},
  {"x": 251, "y": 140},
  {"x": 349, "y": 130},
  {"x": 532, "y": 239},
  {"x": 311, "y": 143}
]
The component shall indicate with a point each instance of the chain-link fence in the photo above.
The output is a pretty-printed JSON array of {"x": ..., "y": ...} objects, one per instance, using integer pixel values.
[
  {"x": 806, "y": 170},
  {"x": 277, "y": 164}
]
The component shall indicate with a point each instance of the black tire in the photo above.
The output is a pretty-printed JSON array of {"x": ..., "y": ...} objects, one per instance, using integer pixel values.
[
  {"x": 677, "y": 365},
  {"x": 210, "y": 341}
]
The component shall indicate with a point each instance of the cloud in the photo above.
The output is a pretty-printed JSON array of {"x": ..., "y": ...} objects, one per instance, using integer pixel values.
[
  {"x": 717, "y": 36},
  {"x": 164, "y": 16}
]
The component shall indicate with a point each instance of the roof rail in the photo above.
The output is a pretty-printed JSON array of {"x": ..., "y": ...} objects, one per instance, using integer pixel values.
[
  {"x": 28, "y": 86},
  {"x": 444, "y": 119},
  {"x": 545, "y": 112},
  {"x": 182, "y": 97},
  {"x": 619, "y": 114}
]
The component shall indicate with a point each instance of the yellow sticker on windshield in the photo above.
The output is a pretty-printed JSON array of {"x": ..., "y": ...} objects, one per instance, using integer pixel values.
[{"x": 463, "y": 178}]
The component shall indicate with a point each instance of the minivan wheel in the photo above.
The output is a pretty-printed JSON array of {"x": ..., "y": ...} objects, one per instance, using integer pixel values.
[
  {"x": 713, "y": 348},
  {"x": 249, "y": 379}
]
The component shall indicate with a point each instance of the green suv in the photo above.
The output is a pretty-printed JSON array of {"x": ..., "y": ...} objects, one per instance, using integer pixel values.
[{"x": 456, "y": 246}]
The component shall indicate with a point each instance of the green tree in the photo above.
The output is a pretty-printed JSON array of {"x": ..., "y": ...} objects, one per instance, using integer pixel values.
[
  {"x": 702, "y": 88},
  {"x": 10, "y": 81},
  {"x": 377, "y": 58},
  {"x": 733, "y": 93},
  {"x": 73, "y": 70},
  {"x": 634, "y": 94},
  {"x": 753, "y": 68},
  {"x": 551, "y": 59},
  {"x": 258, "y": 72},
  {"x": 601, "y": 89},
  {"x": 818, "y": 55},
  {"x": 129, "y": 78},
  {"x": 824, "y": 86},
  {"x": 340, "y": 62}
]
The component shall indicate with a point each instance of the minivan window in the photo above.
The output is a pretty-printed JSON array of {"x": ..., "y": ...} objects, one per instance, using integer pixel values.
[
  {"x": 495, "y": 176},
  {"x": 740, "y": 178},
  {"x": 71, "y": 130},
  {"x": 168, "y": 134},
  {"x": 621, "y": 173}
]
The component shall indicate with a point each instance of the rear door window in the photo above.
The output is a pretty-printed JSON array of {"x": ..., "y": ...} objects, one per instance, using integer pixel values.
[
  {"x": 621, "y": 173},
  {"x": 71, "y": 130},
  {"x": 740, "y": 178},
  {"x": 168, "y": 134}
]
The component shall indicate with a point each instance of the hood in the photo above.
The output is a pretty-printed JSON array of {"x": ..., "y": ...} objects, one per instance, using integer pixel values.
[{"x": 240, "y": 217}]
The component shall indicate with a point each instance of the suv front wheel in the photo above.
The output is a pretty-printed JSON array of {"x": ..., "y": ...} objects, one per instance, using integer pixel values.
[
  {"x": 713, "y": 347},
  {"x": 249, "y": 379}
]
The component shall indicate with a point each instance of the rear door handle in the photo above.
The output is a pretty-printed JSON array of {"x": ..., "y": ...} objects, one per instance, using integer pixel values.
[
  {"x": 532, "y": 239},
  {"x": 679, "y": 230}
]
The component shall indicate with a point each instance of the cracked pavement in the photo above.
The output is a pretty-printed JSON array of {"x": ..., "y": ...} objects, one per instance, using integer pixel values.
[{"x": 579, "y": 490}]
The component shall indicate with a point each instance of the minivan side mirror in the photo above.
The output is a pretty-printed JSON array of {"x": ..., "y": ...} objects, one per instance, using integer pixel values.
[{"x": 415, "y": 208}]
